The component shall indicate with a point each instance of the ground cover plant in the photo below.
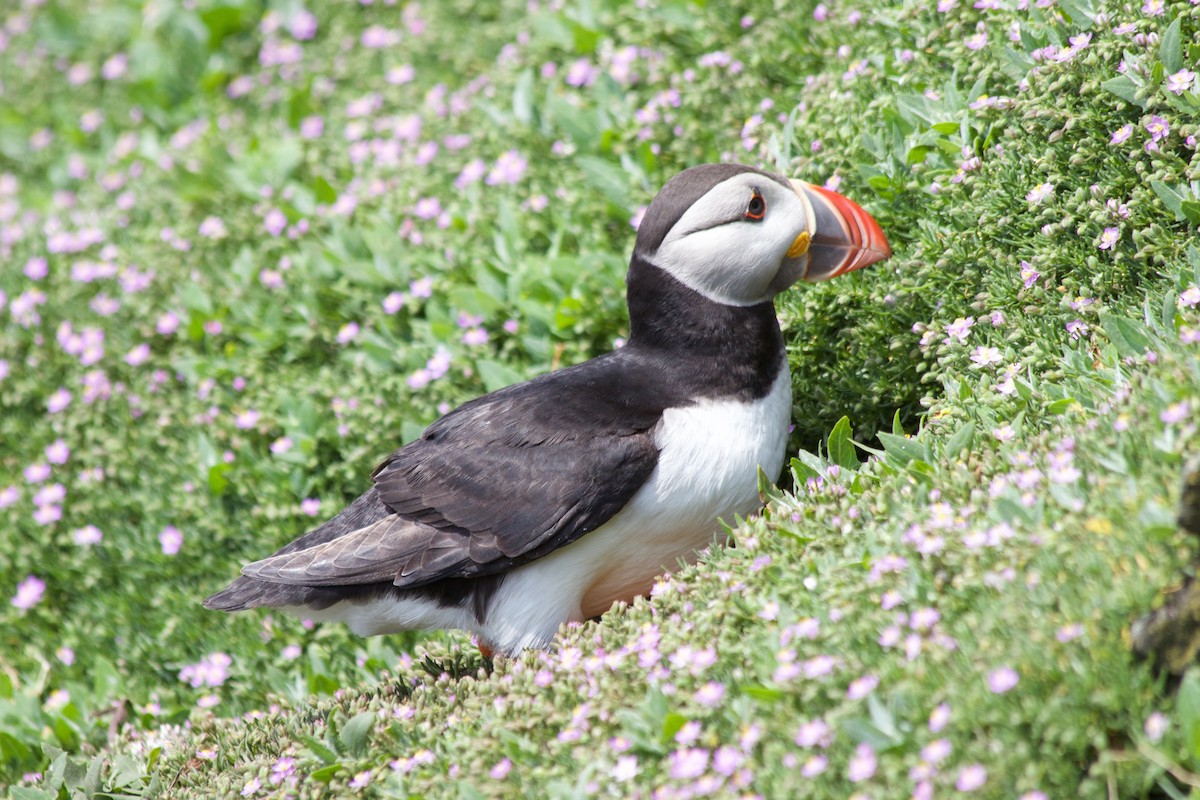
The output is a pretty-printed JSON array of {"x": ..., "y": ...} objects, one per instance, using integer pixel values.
[{"x": 249, "y": 248}]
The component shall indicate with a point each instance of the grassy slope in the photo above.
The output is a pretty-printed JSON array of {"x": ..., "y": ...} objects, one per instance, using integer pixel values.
[{"x": 984, "y": 565}]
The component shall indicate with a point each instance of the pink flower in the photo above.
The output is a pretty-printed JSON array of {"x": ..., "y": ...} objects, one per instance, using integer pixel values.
[
  {"x": 303, "y": 25},
  {"x": 58, "y": 401},
  {"x": 475, "y": 336},
  {"x": 812, "y": 734},
  {"x": 211, "y": 671},
  {"x": 625, "y": 768},
  {"x": 347, "y": 333},
  {"x": 87, "y": 535},
  {"x": 29, "y": 593},
  {"x": 246, "y": 420},
  {"x": 1109, "y": 238},
  {"x": 1003, "y": 679},
  {"x": 421, "y": 287},
  {"x": 1156, "y": 726},
  {"x": 1176, "y": 413},
  {"x": 310, "y": 506},
  {"x": 1181, "y": 81},
  {"x": 509, "y": 168},
  {"x": 275, "y": 222},
  {"x": 171, "y": 540},
  {"x": 311, "y": 127},
  {"x": 971, "y": 778},
  {"x": 862, "y": 763},
  {"x": 861, "y": 687},
  {"x": 939, "y": 717},
  {"x": 1039, "y": 193},
  {"x": 959, "y": 329},
  {"x": 977, "y": 41},
  {"x": 57, "y": 452},
  {"x": 500, "y": 771},
  {"x": 138, "y": 355},
  {"x": 472, "y": 172},
  {"x": 1158, "y": 128},
  {"x": 687, "y": 763},
  {"x": 1121, "y": 134},
  {"x": 582, "y": 73},
  {"x": 710, "y": 694},
  {"x": 936, "y": 751},
  {"x": 814, "y": 766},
  {"x": 393, "y": 302}
]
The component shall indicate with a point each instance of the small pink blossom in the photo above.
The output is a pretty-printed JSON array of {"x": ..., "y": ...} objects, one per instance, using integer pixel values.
[
  {"x": 29, "y": 593},
  {"x": 1176, "y": 413},
  {"x": 1109, "y": 238},
  {"x": 57, "y": 452},
  {"x": 1156, "y": 726},
  {"x": 862, "y": 763},
  {"x": 1181, "y": 81},
  {"x": 1039, "y": 193},
  {"x": 171, "y": 540},
  {"x": 1002, "y": 680},
  {"x": 87, "y": 535}
]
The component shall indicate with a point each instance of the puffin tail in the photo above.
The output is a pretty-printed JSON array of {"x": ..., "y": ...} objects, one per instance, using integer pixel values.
[{"x": 245, "y": 593}]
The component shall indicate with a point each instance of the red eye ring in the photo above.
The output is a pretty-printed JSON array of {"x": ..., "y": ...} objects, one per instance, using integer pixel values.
[{"x": 757, "y": 208}]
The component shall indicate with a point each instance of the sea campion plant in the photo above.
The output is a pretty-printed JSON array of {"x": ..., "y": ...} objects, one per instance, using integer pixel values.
[{"x": 248, "y": 249}]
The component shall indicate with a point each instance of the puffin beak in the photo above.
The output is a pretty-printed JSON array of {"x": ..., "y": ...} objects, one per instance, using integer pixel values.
[{"x": 841, "y": 236}]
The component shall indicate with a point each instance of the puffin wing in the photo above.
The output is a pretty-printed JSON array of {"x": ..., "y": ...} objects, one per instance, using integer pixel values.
[{"x": 501, "y": 481}]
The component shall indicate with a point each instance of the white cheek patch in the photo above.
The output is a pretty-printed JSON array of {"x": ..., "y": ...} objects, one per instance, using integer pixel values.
[
  {"x": 723, "y": 263},
  {"x": 713, "y": 251}
]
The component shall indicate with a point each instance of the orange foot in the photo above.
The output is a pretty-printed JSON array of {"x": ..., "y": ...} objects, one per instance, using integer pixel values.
[{"x": 486, "y": 650}]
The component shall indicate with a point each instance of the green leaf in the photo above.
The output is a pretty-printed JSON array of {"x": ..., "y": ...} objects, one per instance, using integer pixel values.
[
  {"x": 1016, "y": 65},
  {"x": 763, "y": 694},
  {"x": 355, "y": 736},
  {"x": 801, "y": 471},
  {"x": 1170, "y": 47},
  {"x": 1172, "y": 196},
  {"x": 1187, "y": 709},
  {"x": 812, "y": 462},
  {"x": 1129, "y": 337},
  {"x": 496, "y": 375},
  {"x": 902, "y": 449},
  {"x": 962, "y": 439},
  {"x": 325, "y": 774},
  {"x": 672, "y": 724},
  {"x": 605, "y": 177},
  {"x": 322, "y": 751},
  {"x": 841, "y": 449},
  {"x": 1060, "y": 406},
  {"x": 324, "y": 191},
  {"x": 1190, "y": 210},
  {"x": 1123, "y": 88},
  {"x": 522, "y": 101}
]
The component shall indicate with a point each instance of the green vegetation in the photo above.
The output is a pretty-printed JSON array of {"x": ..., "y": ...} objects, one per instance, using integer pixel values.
[{"x": 249, "y": 249}]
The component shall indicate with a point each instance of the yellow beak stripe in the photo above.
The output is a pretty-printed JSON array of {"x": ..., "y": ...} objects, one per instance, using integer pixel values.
[{"x": 800, "y": 245}]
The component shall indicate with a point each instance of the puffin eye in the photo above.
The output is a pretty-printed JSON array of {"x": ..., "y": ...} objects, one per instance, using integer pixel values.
[{"x": 757, "y": 208}]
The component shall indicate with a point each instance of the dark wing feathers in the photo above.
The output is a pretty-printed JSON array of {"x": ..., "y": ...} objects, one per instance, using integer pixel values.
[{"x": 503, "y": 480}]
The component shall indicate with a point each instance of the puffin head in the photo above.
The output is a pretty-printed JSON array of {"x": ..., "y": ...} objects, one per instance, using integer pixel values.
[{"x": 739, "y": 236}]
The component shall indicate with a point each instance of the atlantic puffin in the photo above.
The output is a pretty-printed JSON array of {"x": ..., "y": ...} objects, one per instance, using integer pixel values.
[{"x": 550, "y": 500}]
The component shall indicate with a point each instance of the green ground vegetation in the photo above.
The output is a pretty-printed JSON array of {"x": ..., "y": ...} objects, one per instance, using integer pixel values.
[{"x": 248, "y": 248}]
